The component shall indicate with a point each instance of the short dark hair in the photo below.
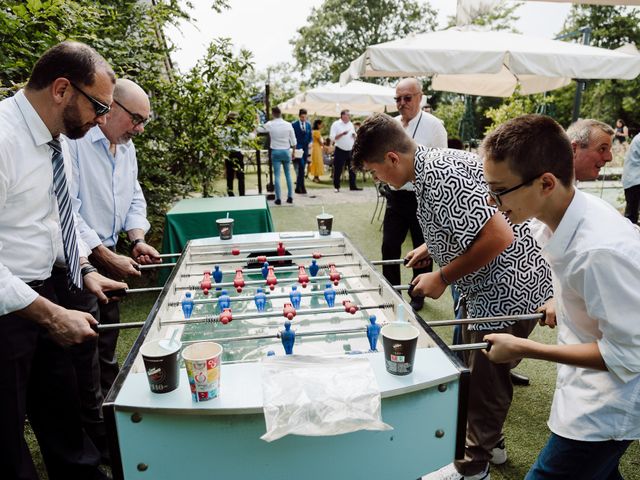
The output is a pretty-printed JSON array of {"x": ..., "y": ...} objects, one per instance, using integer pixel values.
[
  {"x": 378, "y": 135},
  {"x": 316, "y": 124},
  {"x": 532, "y": 145},
  {"x": 276, "y": 112},
  {"x": 302, "y": 111},
  {"x": 342, "y": 112},
  {"x": 74, "y": 61}
]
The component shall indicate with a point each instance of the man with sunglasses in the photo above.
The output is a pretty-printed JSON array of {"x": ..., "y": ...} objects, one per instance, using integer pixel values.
[
  {"x": 106, "y": 194},
  {"x": 498, "y": 270},
  {"x": 69, "y": 91},
  {"x": 400, "y": 214},
  {"x": 594, "y": 254}
]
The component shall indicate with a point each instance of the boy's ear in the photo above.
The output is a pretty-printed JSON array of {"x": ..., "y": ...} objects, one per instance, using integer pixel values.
[
  {"x": 393, "y": 157},
  {"x": 549, "y": 182}
]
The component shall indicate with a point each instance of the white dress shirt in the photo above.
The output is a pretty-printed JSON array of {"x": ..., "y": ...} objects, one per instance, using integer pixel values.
[
  {"x": 345, "y": 142},
  {"x": 281, "y": 134},
  {"x": 595, "y": 258},
  {"x": 631, "y": 168},
  {"x": 105, "y": 189},
  {"x": 30, "y": 236},
  {"x": 426, "y": 130}
]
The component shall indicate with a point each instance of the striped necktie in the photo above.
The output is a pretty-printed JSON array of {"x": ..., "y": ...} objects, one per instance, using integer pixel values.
[{"x": 67, "y": 224}]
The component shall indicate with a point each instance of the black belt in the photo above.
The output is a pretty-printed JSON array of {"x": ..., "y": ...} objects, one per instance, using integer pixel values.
[{"x": 35, "y": 284}]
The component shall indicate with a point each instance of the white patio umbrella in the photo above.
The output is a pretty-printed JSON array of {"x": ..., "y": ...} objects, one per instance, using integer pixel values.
[
  {"x": 475, "y": 62},
  {"x": 361, "y": 98}
]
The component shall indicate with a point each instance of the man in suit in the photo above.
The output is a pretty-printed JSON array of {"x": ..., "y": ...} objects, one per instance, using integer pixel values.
[{"x": 302, "y": 129}]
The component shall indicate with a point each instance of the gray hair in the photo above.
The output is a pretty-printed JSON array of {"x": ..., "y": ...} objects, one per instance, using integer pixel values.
[{"x": 580, "y": 131}]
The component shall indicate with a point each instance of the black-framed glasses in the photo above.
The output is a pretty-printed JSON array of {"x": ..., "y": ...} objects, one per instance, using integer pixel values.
[
  {"x": 99, "y": 107},
  {"x": 495, "y": 196},
  {"x": 136, "y": 118},
  {"x": 406, "y": 98}
]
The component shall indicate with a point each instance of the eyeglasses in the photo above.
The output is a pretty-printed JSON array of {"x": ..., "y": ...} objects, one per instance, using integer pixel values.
[
  {"x": 406, "y": 98},
  {"x": 495, "y": 196},
  {"x": 136, "y": 118},
  {"x": 99, "y": 107}
]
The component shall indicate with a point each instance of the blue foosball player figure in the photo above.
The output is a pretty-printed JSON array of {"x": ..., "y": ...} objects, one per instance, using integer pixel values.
[
  {"x": 260, "y": 300},
  {"x": 265, "y": 270},
  {"x": 296, "y": 297},
  {"x": 313, "y": 268},
  {"x": 373, "y": 331},
  {"x": 288, "y": 337},
  {"x": 217, "y": 274},
  {"x": 224, "y": 300},
  {"x": 330, "y": 295},
  {"x": 187, "y": 305}
]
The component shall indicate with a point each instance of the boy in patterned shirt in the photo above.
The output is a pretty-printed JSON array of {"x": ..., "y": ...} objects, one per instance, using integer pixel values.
[
  {"x": 594, "y": 253},
  {"x": 496, "y": 267}
]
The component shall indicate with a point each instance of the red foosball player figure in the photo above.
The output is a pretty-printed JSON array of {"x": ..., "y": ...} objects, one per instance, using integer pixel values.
[
  {"x": 289, "y": 312},
  {"x": 350, "y": 307},
  {"x": 334, "y": 275},
  {"x": 205, "y": 284},
  {"x": 303, "y": 278},
  {"x": 280, "y": 250},
  {"x": 226, "y": 316},
  {"x": 238, "y": 281},
  {"x": 271, "y": 279}
]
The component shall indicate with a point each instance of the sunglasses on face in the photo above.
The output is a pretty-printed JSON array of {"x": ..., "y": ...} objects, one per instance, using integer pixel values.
[
  {"x": 99, "y": 107},
  {"x": 495, "y": 196},
  {"x": 136, "y": 118},
  {"x": 406, "y": 98}
]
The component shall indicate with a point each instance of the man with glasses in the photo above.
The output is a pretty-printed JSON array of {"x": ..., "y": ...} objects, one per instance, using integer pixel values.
[
  {"x": 106, "y": 194},
  {"x": 69, "y": 91},
  {"x": 400, "y": 214},
  {"x": 594, "y": 254},
  {"x": 498, "y": 270}
]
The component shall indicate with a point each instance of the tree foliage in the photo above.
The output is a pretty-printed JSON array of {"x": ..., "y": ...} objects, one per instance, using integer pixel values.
[
  {"x": 340, "y": 30},
  {"x": 500, "y": 17}
]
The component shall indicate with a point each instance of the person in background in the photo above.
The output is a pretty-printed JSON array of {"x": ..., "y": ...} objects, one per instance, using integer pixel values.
[
  {"x": 621, "y": 137},
  {"x": 317, "y": 164},
  {"x": 343, "y": 134},
  {"x": 302, "y": 129},
  {"x": 327, "y": 152},
  {"x": 631, "y": 180},
  {"x": 591, "y": 145},
  {"x": 282, "y": 141},
  {"x": 234, "y": 163}
]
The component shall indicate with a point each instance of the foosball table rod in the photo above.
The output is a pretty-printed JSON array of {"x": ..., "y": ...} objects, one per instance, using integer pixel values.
[
  {"x": 237, "y": 251},
  {"x": 291, "y": 268},
  {"x": 274, "y": 258},
  {"x": 263, "y": 283}
]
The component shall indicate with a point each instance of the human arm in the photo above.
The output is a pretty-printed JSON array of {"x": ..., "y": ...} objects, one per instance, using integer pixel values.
[
  {"x": 418, "y": 257},
  {"x": 549, "y": 310},
  {"x": 141, "y": 250}
]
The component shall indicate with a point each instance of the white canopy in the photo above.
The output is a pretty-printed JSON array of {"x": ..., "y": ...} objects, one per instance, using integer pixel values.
[
  {"x": 328, "y": 100},
  {"x": 471, "y": 61}
]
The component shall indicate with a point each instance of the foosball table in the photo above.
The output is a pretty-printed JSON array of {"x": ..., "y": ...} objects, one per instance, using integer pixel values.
[{"x": 248, "y": 294}]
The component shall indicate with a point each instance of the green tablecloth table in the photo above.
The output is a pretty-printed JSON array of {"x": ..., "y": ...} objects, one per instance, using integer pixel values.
[{"x": 196, "y": 218}]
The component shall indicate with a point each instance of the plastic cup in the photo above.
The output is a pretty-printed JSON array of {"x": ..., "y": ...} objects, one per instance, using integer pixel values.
[
  {"x": 399, "y": 340},
  {"x": 202, "y": 361},
  {"x": 161, "y": 365},
  {"x": 225, "y": 228},
  {"x": 325, "y": 222}
]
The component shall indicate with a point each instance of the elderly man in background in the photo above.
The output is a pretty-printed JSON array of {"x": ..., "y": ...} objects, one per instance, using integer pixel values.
[
  {"x": 591, "y": 143},
  {"x": 106, "y": 194},
  {"x": 400, "y": 215}
]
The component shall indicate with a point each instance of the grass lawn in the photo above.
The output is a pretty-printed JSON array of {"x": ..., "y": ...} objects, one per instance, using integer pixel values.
[{"x": 525, "y": 430}]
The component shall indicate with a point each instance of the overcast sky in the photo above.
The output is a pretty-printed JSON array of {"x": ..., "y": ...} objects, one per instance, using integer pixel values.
[{"x": 265, "y": 26}]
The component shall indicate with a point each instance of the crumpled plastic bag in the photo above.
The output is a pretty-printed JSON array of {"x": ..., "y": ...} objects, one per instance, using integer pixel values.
[{"x": 317, "y": 396}]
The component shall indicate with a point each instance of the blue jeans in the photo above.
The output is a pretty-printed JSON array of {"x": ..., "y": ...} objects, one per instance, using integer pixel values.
[
  {"x": 566, "y": 459},
  {"x": 282, "y": 158}
]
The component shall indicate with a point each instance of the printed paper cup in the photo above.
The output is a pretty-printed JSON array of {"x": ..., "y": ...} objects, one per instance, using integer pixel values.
[
  {"x": 202, "y": 361},
  {"x": 161, "y": 365},
  {"x": 399, "y": 340},
  {"x": 225, "y": 227}
]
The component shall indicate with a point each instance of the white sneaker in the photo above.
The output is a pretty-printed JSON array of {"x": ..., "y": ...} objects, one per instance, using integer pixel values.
[
  {"x": 499, "y": 453},
  {"x": 449, "y": 472}
]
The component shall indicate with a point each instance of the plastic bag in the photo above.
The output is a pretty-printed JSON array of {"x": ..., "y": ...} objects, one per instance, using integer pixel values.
[{"x": 308, "y": 395}]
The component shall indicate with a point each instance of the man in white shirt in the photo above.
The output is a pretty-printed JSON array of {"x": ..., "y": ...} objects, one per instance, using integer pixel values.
[
  {"x": 282, "y": 141},
  {"x": 70, "y": 90},
  {"x": 594, "y": 254},
  {"x": 631, "y": 180},
  {"x": 343, "y": 134},
  {"x": 591, "y": 144},
  {"x": 400, "y": 215}
]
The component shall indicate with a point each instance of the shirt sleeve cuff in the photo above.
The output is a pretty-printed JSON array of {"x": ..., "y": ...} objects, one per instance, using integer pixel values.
[
  {"x": 623, "y": 364},
  {"x": 133, "y": 223},
  {"x": 15, "y": 295}
]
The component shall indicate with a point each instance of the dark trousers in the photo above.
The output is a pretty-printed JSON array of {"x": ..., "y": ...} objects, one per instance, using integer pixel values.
[
  {"x": 632, "y": 197},
  {"x": 234, "y": 167},
  {"x": 37, "y": 380},
  {"x": 341, "y": 160},
  {"x": 300, "y": 165},
  {"x": 400, "y": 217}
]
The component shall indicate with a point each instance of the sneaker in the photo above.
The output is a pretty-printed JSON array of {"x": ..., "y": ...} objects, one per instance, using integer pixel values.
[
  {"x": 289, "y": 200},
  {"x": 519, "y": 379},
  {"x": 499, "y": 453},
  {"x": 337, "y": 190},
  {"x": 449, "y": 472},
  {"x": 278, "y": 201}
]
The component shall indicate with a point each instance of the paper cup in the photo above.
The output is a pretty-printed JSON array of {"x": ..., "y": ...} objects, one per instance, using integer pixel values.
[
  {"x": 202, "y": 361},
  {"x": 399, "y": 340},
  {"x": 225, "y": 228},
  {"x": 325, "y": 222},
  {"x": 161, "y": 365}
]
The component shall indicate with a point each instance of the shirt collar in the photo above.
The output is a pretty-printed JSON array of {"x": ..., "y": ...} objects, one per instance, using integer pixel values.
[
  {"x": 564, "y": 234},
  {"x": 96, "y": 134},
  {"x": 39, "y": 131}
]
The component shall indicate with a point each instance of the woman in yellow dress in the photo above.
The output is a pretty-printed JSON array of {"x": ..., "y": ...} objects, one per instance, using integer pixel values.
[{"x": 317, "y": 165}]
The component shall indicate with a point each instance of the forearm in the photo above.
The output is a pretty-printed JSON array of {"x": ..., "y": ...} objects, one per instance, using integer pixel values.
[
  {"x": 41, "y": 311},
  {"x": 585, "y": 355},
  {"x": 135, "y": 234}
]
